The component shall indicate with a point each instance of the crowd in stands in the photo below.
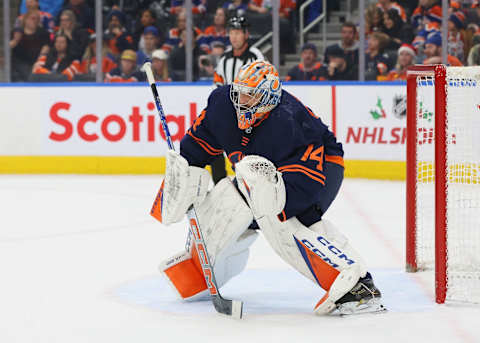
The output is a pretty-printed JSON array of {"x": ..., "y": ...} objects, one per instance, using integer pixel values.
[
  {"x": 55, "y": 40},
  {"x": 399, "y": 34}
]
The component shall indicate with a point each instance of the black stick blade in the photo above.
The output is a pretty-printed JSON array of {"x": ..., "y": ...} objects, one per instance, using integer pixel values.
[{"x": 232, "y": 308}]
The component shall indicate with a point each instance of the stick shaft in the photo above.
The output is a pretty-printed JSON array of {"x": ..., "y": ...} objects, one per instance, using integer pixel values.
[{"x": 151, "y": 80}]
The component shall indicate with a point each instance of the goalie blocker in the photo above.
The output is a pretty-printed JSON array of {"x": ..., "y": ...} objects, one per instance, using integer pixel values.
[{"x": 289, "y": 169}]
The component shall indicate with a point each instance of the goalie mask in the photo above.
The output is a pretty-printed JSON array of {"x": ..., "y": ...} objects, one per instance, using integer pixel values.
[{"x": 255, "y": 91}]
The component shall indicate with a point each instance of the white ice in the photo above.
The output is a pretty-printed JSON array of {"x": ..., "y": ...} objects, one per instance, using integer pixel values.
[{"x": 79, "y": 256}]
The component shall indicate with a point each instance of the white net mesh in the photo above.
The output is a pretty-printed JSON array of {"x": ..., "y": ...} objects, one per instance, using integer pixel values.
[
  {"x": 463, "y": 187},
  {"x": 463, "y": 181}
]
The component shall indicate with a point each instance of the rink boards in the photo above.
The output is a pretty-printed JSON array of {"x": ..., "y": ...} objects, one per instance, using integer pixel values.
[{"x": 114, "y": 129}]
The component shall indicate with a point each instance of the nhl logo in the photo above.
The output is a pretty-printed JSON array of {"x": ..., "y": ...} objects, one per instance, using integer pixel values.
[{"x": 399, "y": 106}]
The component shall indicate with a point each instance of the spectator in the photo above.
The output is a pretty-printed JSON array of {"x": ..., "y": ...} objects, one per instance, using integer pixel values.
[
  {"x": 150, "y": 38},
  {"x": 409, "y": 6},
  {"x": 218, "y": 49},
  {"x": 474, "y": 54},
  {"x": 348, "y": 44},
  {"x": 46, "y": 19},
  {"x": 456, "y": 36},
  {"x": 127, "y": 72},
  {"x": 376, "y": 60},
  {"x": 264, "y": 7},
  {"x": 198, "y": 6},
  {"x": 433, "y": 52},
  {"x": 398, "y": 31},
  {"x": 386, "y": 5},
  {"x": 206, "y": 65},
  {"x": 428, "y": 11},
  {"x": 259, "y": 6},
  {"x": 160, "y": 66},
  {"x": 28, "y": 42},
  {"x": 406, "y": 58},
  {"x": 78, "y": 37},
  {"x": 287, "y": 7},
  {"x": 419, "y": 40},
  {"x": 83, "y": 12},
  {"x": 178, "y": 57},
  {"x": 338, "y": 68},
  {"x": 309, "y": 69},
  {"x": 476, "y": 7},
  {"x": 147, "y": 18},
  {"x": 173, "y": 39},
  {"x": 216, "y": 32},
  {"x": 50, "y": 6},
  {"x": 373, "y": 19},
  {"x": 454, "y": 7},
  {"x": 88, "y": 65},
  {"x": 235, "y": 8},
  {"x": 119, "y": 39},
  {"x": 59, "y": 64}
]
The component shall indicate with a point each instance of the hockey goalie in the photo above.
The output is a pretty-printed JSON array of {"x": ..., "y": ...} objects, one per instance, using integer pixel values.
[{"x": 288, "y": 170}]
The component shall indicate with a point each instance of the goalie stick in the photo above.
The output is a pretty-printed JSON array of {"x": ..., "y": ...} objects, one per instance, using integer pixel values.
[{"x": 225, "y": 306}]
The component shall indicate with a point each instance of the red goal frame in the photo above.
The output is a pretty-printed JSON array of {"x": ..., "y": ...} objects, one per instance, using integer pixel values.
[{"x": 439, "y": 73}]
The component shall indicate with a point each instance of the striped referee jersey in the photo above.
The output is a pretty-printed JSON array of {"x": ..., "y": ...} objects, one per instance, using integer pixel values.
[{"x": 229, "y": 65}]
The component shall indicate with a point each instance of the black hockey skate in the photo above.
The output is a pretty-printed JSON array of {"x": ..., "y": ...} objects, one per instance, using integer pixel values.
[{"x": 364, "y": 297}]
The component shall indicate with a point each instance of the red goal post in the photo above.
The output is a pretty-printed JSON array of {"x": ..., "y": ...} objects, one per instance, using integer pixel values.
[{"x": 443, "y": 176}]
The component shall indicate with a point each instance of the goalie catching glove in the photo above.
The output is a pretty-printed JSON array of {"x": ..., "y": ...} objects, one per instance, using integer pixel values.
[
  {"x": 261, "y": 184},
  {"x": 183, "y": 186}
]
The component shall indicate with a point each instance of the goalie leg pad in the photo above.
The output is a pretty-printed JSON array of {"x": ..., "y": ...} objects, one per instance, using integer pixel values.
[
  {"x": 182, "y": 264},
  {"x": 320, "y": 252},
  {"x": 224, "y": 219}
]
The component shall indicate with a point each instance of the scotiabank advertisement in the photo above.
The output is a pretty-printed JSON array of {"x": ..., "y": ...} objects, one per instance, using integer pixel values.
[
  {"x": 117, "y": 121},
  {"x": 123, "y": 121},
  {"x": 371, "y": 121}
]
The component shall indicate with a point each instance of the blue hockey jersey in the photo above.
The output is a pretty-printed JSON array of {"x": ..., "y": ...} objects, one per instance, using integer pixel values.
[{"x": 297, "y": 142}]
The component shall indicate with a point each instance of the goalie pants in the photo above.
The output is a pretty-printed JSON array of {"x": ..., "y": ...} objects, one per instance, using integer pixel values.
[{"x": 334, "y": 178}]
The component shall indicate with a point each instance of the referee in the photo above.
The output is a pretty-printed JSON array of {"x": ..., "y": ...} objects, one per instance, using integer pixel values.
[{"x": 227, "y": 68}]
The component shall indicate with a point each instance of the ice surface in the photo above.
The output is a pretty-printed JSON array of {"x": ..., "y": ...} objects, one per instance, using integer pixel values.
[{"x": 79, "y": 256}]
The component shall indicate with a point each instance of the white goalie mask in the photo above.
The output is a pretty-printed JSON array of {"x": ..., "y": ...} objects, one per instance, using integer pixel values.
[{"x": 256, "y": 90}]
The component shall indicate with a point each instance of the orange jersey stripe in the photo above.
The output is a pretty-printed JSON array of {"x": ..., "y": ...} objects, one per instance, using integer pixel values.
[
  {"x": 304, "y": 172},
  {"x": 205, "y": 145},
  {"x": 308, "y": 170},
  {"x": 335, "y": 159}
]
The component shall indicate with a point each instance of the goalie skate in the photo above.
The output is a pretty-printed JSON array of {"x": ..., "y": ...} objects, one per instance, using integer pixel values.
[
  {"x": 363, "y": 298},
  {"x": 360, "y": 307}
]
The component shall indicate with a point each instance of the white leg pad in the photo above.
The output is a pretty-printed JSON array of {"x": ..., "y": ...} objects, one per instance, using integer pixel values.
[
  {"x": 320, "y": 252},
  {"x": 224, "y": 219}
]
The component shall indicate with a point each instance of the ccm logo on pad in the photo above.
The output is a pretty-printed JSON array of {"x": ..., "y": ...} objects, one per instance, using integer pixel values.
[{"x": 322, "y": 240}]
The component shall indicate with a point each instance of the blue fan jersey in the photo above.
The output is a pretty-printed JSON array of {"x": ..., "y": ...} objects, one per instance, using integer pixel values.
[{"x": 297, "y": 142}]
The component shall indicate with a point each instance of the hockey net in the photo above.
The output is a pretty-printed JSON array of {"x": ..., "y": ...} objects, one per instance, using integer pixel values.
[{"x": 443, "y": 178}]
